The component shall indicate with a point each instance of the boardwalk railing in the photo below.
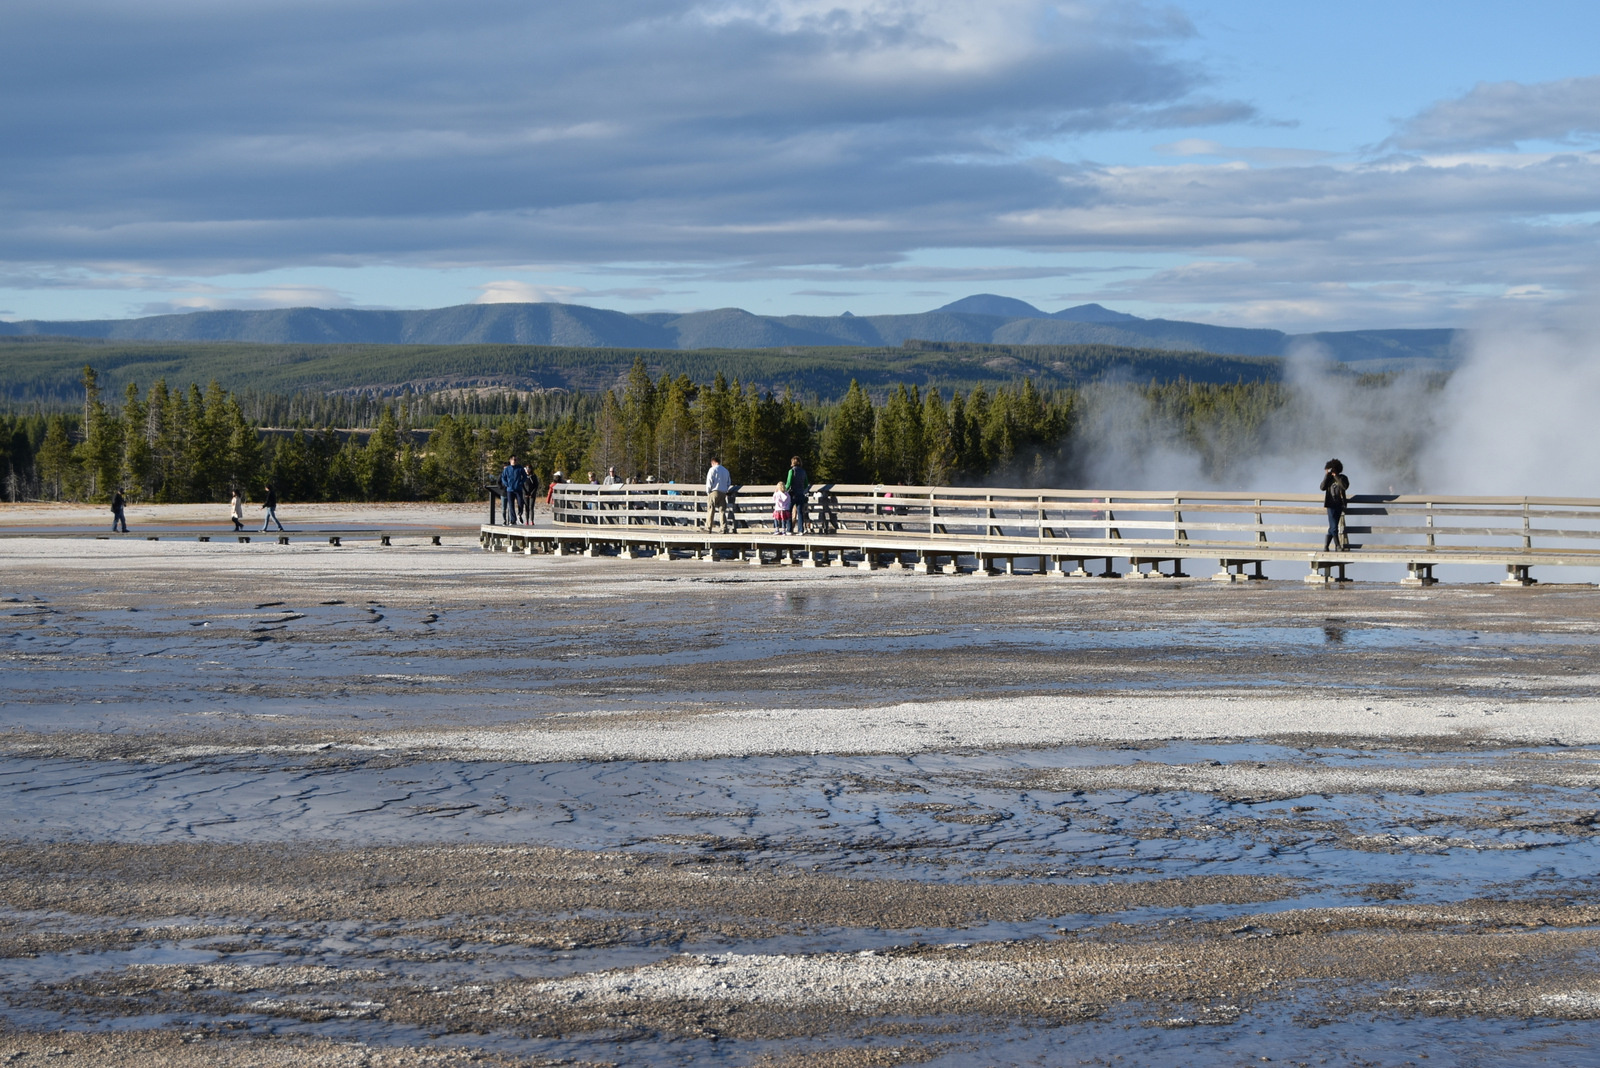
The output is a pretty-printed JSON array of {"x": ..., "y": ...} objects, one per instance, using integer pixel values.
[{"x": 1146, "y": 528}]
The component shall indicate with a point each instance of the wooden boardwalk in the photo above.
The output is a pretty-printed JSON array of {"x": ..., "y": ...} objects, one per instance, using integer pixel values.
[{"x": 1079, "y": 534}]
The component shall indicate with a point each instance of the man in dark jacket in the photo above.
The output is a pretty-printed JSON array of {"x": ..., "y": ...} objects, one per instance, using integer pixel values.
[
  {"x": 510, "y": 490},
  {"x": 270, "y": 503},
  {"x": 796, "y": 484},
  {"x": 117, "y": 515}
]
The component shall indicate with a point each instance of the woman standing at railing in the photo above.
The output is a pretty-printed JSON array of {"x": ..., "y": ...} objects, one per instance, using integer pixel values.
[{"x": 1335, "y": 498}]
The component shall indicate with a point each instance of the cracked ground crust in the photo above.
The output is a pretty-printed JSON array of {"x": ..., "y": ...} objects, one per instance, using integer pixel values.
[
  {"x": 272, "y": 653},
  {"x": 1484, "y": 957}
]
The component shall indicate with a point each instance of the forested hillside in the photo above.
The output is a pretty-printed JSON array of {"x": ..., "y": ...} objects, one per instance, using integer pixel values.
[
  {"x": 161, "y": 442},
  {"x": 47, "y": 371},
  {"x": 980, "y": 319}
]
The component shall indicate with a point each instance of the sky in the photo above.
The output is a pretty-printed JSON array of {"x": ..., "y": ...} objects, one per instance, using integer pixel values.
[{"x": 1241, "y": 162}]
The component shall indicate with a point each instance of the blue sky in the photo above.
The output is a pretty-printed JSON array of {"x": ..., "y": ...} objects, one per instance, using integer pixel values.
[{"x": 1265, "y": 164}]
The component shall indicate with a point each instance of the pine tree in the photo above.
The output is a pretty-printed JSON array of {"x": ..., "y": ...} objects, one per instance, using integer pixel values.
[
  {"x": 56, "y": 462},
  {"x": 676, "y": 436},
  {"x": 898, "y": 451},
  {"x": 640, "y": 410},
  {"x": 136, "y": 452},
  {"x": 938, "y": 444},
  {"x": 847, "y": 439},
  {"x": 242, "y": 454}
]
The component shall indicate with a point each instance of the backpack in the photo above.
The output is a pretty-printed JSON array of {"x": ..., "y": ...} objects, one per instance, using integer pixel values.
[{"x": 1338, "y": 490}]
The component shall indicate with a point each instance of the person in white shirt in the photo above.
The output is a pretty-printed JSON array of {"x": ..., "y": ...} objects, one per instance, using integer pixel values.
[
  {"x": 718, "y": 483},
  {"x": 780, "y": 510}
]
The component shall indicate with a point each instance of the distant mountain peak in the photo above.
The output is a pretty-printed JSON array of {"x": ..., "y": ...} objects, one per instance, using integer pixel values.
[
  {"x": 992, "y": 304},
  {"x": 1094, "y": 313}
]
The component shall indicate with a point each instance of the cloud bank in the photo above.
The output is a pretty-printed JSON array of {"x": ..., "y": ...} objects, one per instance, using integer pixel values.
[{"x": 671, "y": 140}]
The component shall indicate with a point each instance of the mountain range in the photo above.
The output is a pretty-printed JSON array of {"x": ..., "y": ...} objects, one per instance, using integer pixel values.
[{"x": 981, "y": 319}]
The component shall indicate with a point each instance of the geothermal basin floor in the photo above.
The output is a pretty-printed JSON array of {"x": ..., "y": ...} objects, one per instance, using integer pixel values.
[{"x": 428, "y": 805}]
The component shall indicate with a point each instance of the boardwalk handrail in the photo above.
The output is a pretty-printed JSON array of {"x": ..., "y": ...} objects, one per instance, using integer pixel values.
[{"x": 1199, "y": 523}]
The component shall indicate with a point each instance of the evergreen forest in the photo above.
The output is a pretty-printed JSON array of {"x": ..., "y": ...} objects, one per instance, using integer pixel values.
[{"x": 164, "y": 443}]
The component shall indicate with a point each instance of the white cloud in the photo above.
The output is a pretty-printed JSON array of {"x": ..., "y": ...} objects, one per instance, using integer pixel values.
[
  {"x": 1197, "y": 146},
  {"x": 513, "y": 291},
  {"x": 510, "y": 291},
  {"x": 1503, "y": 114}
]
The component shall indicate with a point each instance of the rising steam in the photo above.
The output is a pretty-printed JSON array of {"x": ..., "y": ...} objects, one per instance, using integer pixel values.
[{"x": 1517, "y": 416}]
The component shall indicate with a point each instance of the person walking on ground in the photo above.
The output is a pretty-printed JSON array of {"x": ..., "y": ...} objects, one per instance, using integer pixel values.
[
  {"x": 510, "y": 490},
  {"x": 798, "y": 486},
  {"x": 1335, "y": 498},
  {"x": 236, "y": 511},
  {"x": 780, "y": 510},
  {"x": 718, "y": 485},
  {"x": 118, "y": 516},
  {"x": 270, "y": 503}
]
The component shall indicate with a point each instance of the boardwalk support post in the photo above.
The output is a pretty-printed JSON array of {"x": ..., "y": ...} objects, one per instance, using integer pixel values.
[
  {"x": 1322, "y": 572},
  {"x": 1237, "y": 573},
  {"x": 1418, "y": 573},
  {"x": 1517, "y": 575}
]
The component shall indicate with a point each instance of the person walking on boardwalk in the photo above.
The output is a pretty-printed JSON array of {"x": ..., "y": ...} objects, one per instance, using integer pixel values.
[
  {"x": 798, "y": 485},
  {"x": 118, "y": 515},
  {"x": 270, "y": 503},
  {"x": 1335, "y": 498},
  {"x": 236, "y": 511},
  {"x": 718, "y": 485},
  {"x": 510, "y": 491},
  {"x": 611, "y": 478}
]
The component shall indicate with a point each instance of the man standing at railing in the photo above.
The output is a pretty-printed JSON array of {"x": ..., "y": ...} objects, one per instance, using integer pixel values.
[
  {"x": 718, "y": 483},
  {"x": 510, "y": 490},
  {"x": 797, "y": 484},
  {"x": 529, "y": 497}
]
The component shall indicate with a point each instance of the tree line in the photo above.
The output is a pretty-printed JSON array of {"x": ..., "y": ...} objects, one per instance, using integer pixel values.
[{"x": 192, "y": 445}]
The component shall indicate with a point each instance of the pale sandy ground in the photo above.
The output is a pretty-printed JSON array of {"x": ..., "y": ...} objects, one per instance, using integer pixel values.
[{"x": 933, "y": 726}]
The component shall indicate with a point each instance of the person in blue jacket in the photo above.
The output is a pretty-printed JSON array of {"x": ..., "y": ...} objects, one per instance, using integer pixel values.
[{"x": 511, "y": 482}]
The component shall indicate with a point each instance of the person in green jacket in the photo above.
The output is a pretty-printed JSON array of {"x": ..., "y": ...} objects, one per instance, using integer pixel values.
[{"x": 798, "y": 485}]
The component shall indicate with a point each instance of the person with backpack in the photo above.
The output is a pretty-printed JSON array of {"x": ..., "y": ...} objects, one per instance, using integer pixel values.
[
  {"x": 1335, "y": 498},
  {"x": 797, "y": 485}
]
